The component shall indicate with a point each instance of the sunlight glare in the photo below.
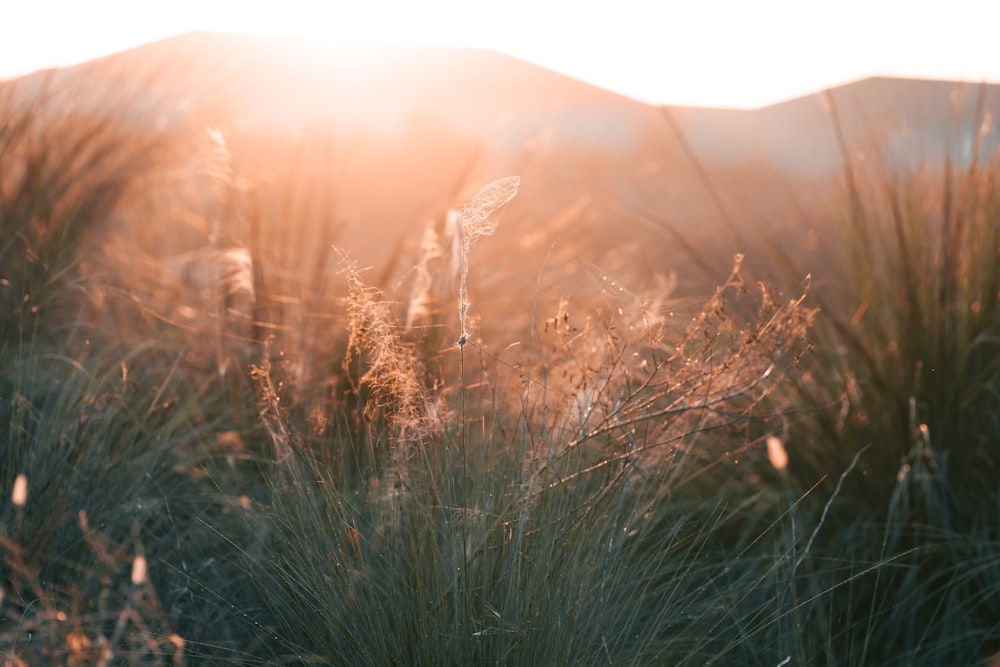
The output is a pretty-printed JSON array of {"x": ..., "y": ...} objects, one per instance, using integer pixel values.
[{"x": 698, "y": 54}]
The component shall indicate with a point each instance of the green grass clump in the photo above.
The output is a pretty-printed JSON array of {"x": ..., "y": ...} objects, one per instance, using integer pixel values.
[
  {"x": 907, "y": 356},
  {"x": 579, "y": 522},
  {"x": 905, "y": 367},
  {"x": 120, "y": 432}
]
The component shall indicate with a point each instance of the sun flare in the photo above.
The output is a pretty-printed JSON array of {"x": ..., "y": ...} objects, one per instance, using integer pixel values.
[{"x": 726, "y": 54}]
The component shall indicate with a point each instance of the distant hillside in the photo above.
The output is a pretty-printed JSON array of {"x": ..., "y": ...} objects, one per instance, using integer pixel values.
[{"x": 911, "y": 121}]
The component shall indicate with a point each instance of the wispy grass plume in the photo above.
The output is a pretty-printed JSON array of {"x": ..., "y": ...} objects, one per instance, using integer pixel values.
[{"x": 476, "y": 222}]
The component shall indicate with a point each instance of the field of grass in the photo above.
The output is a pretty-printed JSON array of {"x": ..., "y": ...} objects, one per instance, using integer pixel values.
[{"x": 224, "y": 442}]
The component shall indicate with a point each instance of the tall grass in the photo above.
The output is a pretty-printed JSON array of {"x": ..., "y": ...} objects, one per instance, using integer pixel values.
[
  {"x": 311, "y": 471},
  {"x": 911, "y": 336},
  {"x": 120, "y": 434},
  {"x": 905, "y": 367},
  {"x": 463, "y": 543}
]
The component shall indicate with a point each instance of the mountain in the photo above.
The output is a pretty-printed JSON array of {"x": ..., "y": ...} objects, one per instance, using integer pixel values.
[{"x": 910, "y": 122}]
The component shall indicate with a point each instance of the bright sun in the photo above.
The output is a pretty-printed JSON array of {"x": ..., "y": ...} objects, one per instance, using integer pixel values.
[{"x": 726, "y": 53}]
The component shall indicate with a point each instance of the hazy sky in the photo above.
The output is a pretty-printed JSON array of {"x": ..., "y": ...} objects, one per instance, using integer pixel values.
[{"x": 698, "y": 52}]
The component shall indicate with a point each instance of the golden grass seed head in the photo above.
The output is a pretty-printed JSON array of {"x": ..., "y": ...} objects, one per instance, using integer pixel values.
[
  {"x": 139, "y": 571},
  {"x": 776, "y": 453},
  {"x": 19, "y": 496}
]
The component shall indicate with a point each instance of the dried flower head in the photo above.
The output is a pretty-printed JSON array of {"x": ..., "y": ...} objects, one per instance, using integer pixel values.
[
  {"x": 20, "y": 494},
  {"x": 776, "y": 453},
  {"x": 139, "y": 571},
  {"x": 476, "y": 222}
]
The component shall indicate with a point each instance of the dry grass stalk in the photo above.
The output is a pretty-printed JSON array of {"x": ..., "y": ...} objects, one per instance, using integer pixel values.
[
  {"x": 627, "y": 386},
  {"x": 476, "y": 222},
  {"x": 391, "y": 374}
]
